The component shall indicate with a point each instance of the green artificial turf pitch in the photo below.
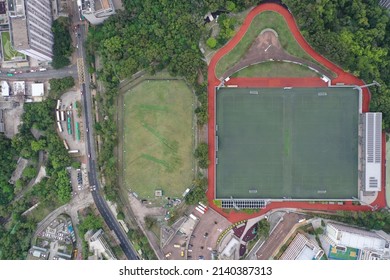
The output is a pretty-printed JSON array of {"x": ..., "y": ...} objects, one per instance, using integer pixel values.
[{"x": 299, "y": 143}]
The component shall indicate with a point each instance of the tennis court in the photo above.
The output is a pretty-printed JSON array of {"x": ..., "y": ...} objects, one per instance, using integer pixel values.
[
  {"x": 346, "y": 253},
  {"x": 299, "y": 143}
]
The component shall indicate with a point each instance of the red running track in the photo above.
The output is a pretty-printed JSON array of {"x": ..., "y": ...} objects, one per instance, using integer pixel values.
[{"x": 341, "y": 77}]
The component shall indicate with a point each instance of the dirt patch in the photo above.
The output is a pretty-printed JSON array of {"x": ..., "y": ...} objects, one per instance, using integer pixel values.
[
  {"x": 22, "y": 164},
  {"x": 12, "y": 119},
  {"x": 267, "y": 47}
]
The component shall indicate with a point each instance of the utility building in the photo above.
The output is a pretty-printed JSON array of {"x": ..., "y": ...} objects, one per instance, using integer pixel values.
[{"x": 96, "y": 11}]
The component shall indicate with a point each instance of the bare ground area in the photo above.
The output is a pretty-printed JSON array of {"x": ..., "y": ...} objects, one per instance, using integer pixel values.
[
  {"x": 12, "y": 120},
  {"x": 22, "y": 164},
  {"x": 267, "y": 47}
]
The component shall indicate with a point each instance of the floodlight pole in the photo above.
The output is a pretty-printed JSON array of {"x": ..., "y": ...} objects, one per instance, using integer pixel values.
[
  {"x": 373, "y": 208},
  {"x": 374, "y": 83}
]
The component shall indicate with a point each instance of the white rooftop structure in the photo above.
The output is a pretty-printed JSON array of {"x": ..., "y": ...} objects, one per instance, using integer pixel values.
[
  {"x": 302, "y": 248},
  {"x": 372, "y": 137},
  {"x": 99, "y": 245},
  {"x": 356, "y": 238},
  {"x": 96, "y": 11},
  {"x": 230, "y": 248},
  {"x": 19, "y": 87},
  {"x": 37, "y": 90},
  {"x": 4, "y": 88}
]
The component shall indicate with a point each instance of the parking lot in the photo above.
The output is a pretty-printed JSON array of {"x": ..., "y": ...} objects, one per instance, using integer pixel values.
[
  {"x": 79, "y": 181},
  {"x": 72, "y": 125},
  {"x": 204, "y": 237}
]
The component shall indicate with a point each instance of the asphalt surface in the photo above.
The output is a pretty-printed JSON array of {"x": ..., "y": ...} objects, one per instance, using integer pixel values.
[
  {"x": 277, "y": 236},
  {"x": 70, "y": 70},
  {"x": 93, "y": 173}
]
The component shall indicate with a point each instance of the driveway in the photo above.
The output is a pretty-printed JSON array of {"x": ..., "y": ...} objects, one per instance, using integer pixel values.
[{"x": 278, "y": 235}]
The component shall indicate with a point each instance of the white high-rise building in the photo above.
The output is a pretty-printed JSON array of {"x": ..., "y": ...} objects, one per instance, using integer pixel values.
[{"x": 30, "y": 24}]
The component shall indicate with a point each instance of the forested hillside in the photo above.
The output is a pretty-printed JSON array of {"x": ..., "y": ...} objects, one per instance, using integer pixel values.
[{"x": 354, "y": 34}]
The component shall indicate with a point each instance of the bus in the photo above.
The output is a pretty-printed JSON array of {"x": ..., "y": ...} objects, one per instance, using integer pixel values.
[
  {"x": 66, "y": 145},
  {"x": 58, "y": 104},
  {"x": 77, "y": 132},
  {"x": 58, "y": 115},
  {"x": 62, "y": 116},
  {"x": 59, "y": 126},
  {"x": 69, "y": 126}
]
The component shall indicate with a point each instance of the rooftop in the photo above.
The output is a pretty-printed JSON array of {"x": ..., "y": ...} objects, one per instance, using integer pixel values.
[
  {"x": 19, "y": 33},
  {"x": 37, "y": 89},
  {"x": 355, "y": 237}
]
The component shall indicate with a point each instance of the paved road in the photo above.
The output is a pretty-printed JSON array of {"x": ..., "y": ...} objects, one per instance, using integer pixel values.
[
  {"x": 93, "y": 173},
  {"x": 277, "y": 236},
  {"x": 70, "y": 70}
]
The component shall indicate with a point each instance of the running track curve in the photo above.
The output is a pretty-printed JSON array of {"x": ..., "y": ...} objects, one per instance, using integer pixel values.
[{"x": 341, "y": 77}]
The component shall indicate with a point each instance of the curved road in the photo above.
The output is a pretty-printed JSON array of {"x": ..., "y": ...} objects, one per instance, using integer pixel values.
[{"x": 93, "y": 173}]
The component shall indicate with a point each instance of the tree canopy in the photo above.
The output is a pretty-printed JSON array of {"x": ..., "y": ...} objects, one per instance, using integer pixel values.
[
  {"x": 354, "y": 34},
  {"x": 62, "y": 47},
  {"x": 59, "y": 86},
  {"x": 7, "y": 166}
]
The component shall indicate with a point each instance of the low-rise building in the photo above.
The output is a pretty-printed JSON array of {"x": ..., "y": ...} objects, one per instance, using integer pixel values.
[
  {"x": 19, "y": 87},
  {"x": 349, "y": 242},
  {"x": 98, "y": 245},
  {"x": 37, "y": 91},
  {"x": 301, "y": 248},
  {"x": 96, "y": 11},
  {"x": 4, "y": 88},
  {"x": 39, "y": 253}
]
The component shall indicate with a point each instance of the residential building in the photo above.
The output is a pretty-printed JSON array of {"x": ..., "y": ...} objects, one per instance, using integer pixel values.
[
  {"x": 96, "y": 11},
  {"x": 385, "y": 3},
  {"x": 30, "y": 26},
  {"x": 98, "y": 245}
]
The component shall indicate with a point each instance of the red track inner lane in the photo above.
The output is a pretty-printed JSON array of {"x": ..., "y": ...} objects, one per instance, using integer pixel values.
[{"x": 342, "y": 77}]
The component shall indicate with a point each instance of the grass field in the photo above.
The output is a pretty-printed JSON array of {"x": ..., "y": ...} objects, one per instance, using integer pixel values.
[
  {"x": 158, "y": 138},
  {"x": 296, "y": 143},
  {"x": 275, "y": 69},
  {"x": 8, "y": 52},
  {"x": 267, "y": 19}
]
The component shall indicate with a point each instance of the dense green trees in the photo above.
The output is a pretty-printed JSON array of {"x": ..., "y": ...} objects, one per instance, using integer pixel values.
[
  {"x": 202, "y": 155},
  {"x": 59, "y": 86},
  {"x": 198, "y": 192},
  {"x": 377, "y": 220},
  {"x": 62, "y": 47},
  {"x": 90, "y": 222},
  {"x": 263, "y": 228},
  {"x": 354, "y": 34},
  {"x": 7, "y": 166},
  {"x": 51, "y": 192},
  {"x": 141, "y": 243},
  {"x": 15, "y": 243},
  {"x": 63, "y": 186}
]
